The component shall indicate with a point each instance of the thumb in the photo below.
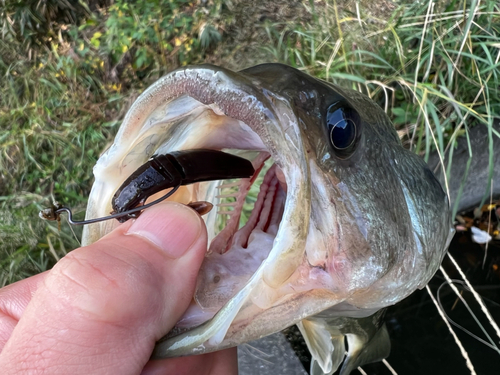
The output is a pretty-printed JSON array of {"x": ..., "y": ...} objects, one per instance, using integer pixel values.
[{"x": 104, "y": 306}]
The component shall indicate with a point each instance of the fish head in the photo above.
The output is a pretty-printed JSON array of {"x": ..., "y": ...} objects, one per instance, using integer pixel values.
[{"x": 347, "y": 221}]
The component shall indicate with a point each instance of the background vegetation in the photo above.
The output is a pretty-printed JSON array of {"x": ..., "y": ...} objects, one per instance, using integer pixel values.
[{"x": 69, "y": 71}]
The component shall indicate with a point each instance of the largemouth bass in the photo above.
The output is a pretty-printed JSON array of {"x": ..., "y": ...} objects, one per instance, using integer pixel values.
[{"x": 346, "y": 222}]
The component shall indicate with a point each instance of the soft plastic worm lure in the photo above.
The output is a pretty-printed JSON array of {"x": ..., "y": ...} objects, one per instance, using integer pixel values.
[{"x": 169, "y": 171}]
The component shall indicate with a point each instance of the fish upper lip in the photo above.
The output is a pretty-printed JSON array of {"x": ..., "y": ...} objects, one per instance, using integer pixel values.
[{"x": 233, "y": 93}]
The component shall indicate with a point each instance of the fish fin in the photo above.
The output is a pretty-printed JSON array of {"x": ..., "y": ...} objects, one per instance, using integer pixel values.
[
  {"x": 325, "y": 335},
  {"x": 364, "y": 349},
  {"x": 327, "y": 348}
]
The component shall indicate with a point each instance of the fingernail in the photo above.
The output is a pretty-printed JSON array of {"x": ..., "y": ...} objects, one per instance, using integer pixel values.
[
  {"x": 172, "y": 227},
  {"x": 201, "y": 207}
]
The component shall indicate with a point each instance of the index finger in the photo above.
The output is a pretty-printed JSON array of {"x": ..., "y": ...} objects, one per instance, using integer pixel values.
[{"x": 13, "y": 301}]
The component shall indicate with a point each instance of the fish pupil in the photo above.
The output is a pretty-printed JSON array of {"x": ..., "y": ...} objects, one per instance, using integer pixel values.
[{"x": 341, "y": 126}]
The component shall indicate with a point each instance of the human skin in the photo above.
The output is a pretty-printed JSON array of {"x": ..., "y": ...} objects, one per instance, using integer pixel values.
[{"x": 101, "y": 309}]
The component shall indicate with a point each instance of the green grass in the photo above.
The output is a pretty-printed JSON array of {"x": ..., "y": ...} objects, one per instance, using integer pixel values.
[
  {"x": 62, "y": 99},
  {"x": 434, "y": 70}
]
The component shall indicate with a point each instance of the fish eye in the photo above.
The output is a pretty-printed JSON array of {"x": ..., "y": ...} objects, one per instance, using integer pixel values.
[{"x": 342, "y": 124}]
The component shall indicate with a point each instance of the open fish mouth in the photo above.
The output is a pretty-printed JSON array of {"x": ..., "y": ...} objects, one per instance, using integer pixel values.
[
  {"x": 205, "y": 108},
  {"x": 320, "y": 235}
]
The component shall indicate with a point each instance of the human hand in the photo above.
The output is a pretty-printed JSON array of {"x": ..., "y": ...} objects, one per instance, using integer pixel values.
[{"x": 101, "y": 309}]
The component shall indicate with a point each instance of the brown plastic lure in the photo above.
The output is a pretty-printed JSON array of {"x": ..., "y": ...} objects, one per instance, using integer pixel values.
[{"x": 161, "y": 172}]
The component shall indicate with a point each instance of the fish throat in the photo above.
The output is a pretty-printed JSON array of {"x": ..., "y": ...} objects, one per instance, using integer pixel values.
[{"x": 249, "y": 212}]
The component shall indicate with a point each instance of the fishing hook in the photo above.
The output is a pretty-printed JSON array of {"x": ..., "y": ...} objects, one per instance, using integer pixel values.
[
  {"x": 162, "y": 172},
  {"x": 54, "y": 212}
]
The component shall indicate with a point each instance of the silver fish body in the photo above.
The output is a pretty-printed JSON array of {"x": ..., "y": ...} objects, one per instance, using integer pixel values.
[{"x": 347, "y": 230}]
